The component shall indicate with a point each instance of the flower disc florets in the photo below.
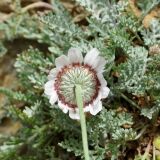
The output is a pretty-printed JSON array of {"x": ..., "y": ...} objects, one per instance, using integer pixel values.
[
  {"x": 73, "y": 70},
  {"x": 74, "y": 74}
]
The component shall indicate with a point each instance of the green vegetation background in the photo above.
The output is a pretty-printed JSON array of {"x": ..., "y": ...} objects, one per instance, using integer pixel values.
[{"x": 34, "y": 32}]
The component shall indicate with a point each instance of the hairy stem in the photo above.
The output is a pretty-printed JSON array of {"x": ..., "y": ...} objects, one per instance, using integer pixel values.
[
  {"x": 79, "y": 100},
  {"x": 129, "y": 101},
  {"x": 154, "y": 154}
]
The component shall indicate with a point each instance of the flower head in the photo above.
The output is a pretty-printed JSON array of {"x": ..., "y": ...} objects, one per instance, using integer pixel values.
[{"x": 74, "y": 69}]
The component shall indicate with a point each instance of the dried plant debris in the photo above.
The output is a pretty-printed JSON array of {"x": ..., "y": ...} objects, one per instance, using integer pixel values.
[{"x": 147, "y": 10}]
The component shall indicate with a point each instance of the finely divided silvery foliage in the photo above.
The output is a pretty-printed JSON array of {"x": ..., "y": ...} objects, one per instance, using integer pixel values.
[{"x": 131, "y": 73}]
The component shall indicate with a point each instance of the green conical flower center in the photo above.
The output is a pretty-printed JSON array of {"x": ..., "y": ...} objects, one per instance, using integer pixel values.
[{"x": 74, "y": 74}]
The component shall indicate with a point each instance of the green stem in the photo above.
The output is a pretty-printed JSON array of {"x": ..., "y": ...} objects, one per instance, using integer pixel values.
[
  {"x": 141, "y": 132},
  {"x": 79, "y": 99},
  {"x": 154, "y": 154},
  {"x": 130, "y": 101}
]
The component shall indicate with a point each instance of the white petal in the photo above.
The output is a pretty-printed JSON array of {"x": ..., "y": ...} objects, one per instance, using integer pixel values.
[
  {"x": 74, "y": 114},
  {"x": 102, "y": 80},
  {"x": 96, "y": 107},
  {"x": 104, "y": 92},
  {"x": 52, "y": 74},
  {"x": 99, "y": 66},
  {"x": 87, "y": 108},
  {"x": 61, "y": 61},
  {"x": 63, "y": 107},
  {"x": 91, "y": 57},
  {"x": 49, "y": 88},
  {"x": 75, "y": 56},
  {"x": 53, "y": 98}
]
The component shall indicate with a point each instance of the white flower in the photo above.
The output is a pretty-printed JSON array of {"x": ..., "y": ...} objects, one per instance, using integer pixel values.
[
  {"x": 71, "y": 70},
  {"x": 29, "y": 111}
]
